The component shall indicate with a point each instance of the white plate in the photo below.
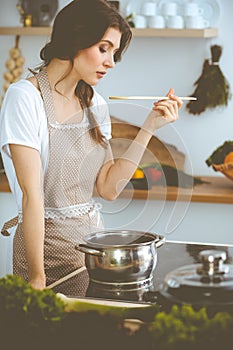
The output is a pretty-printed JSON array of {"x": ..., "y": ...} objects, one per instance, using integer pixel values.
[
  {"x": 103, "y": 302},
  {"x": 178, "y": 2},
  {"x": 211, "y": 9},
  {"x": 134, "y": 6}
]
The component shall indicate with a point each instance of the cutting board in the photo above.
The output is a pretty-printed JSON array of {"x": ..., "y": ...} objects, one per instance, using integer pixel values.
[{"x": 157, "y": 151}]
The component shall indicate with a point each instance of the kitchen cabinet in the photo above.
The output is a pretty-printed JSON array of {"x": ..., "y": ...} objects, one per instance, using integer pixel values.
[{"x": 137, "y": 32}]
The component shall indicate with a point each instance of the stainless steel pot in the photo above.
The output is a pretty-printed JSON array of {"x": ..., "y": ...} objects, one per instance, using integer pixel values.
[{"x": 120, "y": 257}]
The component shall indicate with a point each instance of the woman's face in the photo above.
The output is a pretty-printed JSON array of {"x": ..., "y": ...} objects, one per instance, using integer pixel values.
[{"x": 91, "y": 64}]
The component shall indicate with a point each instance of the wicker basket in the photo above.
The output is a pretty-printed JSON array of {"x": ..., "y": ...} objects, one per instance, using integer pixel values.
[{"x": 225, "y": 168}]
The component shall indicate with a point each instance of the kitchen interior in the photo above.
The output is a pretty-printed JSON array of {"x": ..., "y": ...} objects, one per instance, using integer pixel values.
[{"x": 189, "y": 214}]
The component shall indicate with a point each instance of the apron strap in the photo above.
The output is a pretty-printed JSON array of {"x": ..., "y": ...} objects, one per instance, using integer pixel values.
[
  {"x": 46, "y": 93},
  {"x": 9, "y": 224}
]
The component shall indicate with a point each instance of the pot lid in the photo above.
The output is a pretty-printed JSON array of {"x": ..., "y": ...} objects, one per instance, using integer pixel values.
[{"x": 207, "y": 282}]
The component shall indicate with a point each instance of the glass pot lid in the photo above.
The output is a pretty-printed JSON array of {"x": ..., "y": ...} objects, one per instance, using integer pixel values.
[{"x": 211, "y": 281}]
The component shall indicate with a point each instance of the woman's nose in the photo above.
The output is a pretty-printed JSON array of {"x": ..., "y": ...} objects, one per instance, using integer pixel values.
[{"x": 110, "y": 63}]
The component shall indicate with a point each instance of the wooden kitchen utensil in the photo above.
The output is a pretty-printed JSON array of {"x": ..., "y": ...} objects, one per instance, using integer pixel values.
[
  {"x": 65, "y": 278},
  {"x": 187, "y": 98}
]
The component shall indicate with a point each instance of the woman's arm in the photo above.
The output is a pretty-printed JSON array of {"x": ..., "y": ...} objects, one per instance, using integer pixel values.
[
  {"x": 114, "y": 175},
  {"x": 28, "y": 169}
]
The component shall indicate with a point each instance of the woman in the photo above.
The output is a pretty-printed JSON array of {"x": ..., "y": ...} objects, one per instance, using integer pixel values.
[{"x": 55, "y": 132}]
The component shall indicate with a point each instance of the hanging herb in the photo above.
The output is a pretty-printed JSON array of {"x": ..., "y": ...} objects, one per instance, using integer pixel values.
[
  {"x": 129, "y": 19},
  {"x": 212, "y": 88}
]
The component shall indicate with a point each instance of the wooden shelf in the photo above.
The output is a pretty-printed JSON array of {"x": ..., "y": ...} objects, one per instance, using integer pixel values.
[
  {"x": 147, "y": 32},
  {"x": 176, "y": 33},
  {"x": 216, "y": 190},
  {"x": 30, "y": 31}
]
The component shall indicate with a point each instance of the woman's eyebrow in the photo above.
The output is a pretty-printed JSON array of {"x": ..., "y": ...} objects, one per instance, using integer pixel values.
[{"x": 109, "y": 42}]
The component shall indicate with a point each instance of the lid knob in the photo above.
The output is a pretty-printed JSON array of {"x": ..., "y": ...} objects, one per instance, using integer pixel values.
[{"x": 212, "y": 263}]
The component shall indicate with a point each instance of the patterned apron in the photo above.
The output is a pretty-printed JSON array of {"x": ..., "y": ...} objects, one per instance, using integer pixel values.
[{"x": 70, "y": 212}]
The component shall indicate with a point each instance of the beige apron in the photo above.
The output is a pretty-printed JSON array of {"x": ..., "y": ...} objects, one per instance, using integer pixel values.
[{"x": 70, "y": 212}]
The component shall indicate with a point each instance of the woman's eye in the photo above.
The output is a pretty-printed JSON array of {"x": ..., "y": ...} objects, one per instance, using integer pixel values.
[{"x": 102, "y": 50}]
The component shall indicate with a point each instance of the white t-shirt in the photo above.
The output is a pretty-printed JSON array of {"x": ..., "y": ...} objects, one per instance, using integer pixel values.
[{"x": 23, "y": 121}]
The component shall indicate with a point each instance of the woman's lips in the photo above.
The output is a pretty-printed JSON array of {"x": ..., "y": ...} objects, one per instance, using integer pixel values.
[{"x": 100, "y": 74}]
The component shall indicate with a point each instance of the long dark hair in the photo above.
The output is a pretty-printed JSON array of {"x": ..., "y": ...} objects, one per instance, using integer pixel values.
[{"x": 79, "y": 25}]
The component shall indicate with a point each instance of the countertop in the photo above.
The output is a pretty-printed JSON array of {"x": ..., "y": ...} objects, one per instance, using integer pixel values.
[{"x": 217, "y": 189}]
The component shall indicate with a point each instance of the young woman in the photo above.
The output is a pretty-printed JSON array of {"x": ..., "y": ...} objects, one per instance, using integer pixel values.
[{"x": 55, "y": 130}]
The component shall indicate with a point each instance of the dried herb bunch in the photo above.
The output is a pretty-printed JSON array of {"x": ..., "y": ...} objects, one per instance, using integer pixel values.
[{"x": 212, "y": 88}]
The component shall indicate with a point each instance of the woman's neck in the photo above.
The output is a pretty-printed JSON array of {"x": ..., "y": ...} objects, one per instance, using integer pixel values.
[{"x": 62, "y": 78}]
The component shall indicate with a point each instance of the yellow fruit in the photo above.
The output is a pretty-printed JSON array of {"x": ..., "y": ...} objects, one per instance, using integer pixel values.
[
  {"x": 138, "y": 174},
  {"x": 229, "y": 158}
]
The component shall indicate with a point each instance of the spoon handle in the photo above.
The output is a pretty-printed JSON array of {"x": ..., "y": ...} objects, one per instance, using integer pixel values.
[{"x": 186, "y": 98}]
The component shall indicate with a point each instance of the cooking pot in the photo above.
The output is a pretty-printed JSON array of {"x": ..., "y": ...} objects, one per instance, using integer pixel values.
[
  {"x": 208, "y": 283},
  {"x": 121, "y": 258}
]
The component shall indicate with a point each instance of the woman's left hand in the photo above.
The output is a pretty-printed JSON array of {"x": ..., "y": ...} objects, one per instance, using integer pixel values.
[{"x": 163, "y": 112}]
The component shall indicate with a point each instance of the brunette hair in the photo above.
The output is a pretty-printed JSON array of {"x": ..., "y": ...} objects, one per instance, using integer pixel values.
[{"x": 79, "y": 25}]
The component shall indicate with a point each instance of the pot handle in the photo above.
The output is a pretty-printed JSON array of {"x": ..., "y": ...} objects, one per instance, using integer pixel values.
[
  {"x": 89, "y": 250},
  {"x": 160, "y": 241}
]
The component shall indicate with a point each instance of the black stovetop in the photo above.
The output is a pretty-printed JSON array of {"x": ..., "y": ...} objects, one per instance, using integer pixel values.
[
  {"x": 176, "y": 254},
  {"x": 171, "y": 255}
]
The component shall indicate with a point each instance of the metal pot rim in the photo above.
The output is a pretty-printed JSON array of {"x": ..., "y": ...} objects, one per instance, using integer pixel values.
[{"x": 154, "y": 238}]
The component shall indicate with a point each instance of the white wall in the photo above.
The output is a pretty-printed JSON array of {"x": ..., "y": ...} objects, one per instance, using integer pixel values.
[
  {"x": 152, "y": 66},
  {"x": 177, "y": 221}
]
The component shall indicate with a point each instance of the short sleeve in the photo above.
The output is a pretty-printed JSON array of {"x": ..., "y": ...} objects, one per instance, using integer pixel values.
[
  {"x": 19, "y": 122},
  {"x": 101, "y": 111}
]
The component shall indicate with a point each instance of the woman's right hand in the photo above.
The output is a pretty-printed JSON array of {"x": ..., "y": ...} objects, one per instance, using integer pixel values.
[
  {"x": 163, "y": 112},
  {"x": 38, "y": 283}
]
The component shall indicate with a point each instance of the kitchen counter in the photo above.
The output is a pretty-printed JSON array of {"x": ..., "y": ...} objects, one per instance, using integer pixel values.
[{"x": 217, "y": 189}]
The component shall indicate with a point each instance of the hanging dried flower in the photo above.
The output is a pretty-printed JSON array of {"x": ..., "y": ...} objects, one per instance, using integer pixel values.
[{"x": 212, "y": 88}]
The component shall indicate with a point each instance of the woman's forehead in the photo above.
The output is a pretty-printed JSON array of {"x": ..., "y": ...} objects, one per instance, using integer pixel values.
[{"x": 112, "y": 36}]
